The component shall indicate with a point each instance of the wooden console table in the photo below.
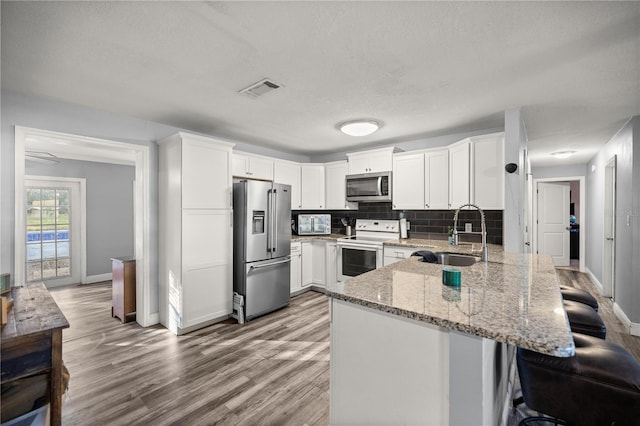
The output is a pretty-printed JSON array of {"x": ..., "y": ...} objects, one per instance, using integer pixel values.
[
  {"x": 31, "y": 342},
  {"x": 123, "y": 287}
]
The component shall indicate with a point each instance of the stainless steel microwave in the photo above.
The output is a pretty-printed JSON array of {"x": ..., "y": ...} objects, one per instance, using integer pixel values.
[{"x": 369, "y": 187}]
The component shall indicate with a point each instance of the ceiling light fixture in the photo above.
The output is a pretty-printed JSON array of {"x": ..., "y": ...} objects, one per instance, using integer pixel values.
[
  {"x": 359, "y": 127},
  {"x": 563, "y": 154}
]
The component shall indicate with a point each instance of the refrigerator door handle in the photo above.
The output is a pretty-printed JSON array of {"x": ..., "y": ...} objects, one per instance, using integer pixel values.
[
  {"x": 274, "y": 219},
  {"x": 269, "y": 219},
  {"x": 267, "y": 265}
]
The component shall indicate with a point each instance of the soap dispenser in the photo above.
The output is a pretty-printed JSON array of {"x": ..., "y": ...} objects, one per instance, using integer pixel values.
[{"x": 403, "y": 226}]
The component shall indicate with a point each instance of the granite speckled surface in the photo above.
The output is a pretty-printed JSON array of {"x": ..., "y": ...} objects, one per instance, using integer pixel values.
[
  {"x": 514, "y": 298},
  {"x": 332, "y": 237}
]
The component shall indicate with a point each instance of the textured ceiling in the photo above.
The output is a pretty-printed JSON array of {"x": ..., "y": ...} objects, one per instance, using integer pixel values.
[{"x": 423, "y": 68}]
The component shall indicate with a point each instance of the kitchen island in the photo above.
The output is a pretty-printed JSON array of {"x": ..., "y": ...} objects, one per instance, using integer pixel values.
[{"x": 405, "y": 349}]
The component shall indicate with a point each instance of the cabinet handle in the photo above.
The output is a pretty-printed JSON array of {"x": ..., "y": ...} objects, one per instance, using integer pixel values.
[{"x": 427, "y": 205}]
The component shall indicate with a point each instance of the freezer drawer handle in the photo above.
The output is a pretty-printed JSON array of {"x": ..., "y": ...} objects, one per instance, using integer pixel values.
[{"x": 266, "y": 265}]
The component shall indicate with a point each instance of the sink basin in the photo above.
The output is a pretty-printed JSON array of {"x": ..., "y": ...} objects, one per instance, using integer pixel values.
[{"x": 453, "y": 259}]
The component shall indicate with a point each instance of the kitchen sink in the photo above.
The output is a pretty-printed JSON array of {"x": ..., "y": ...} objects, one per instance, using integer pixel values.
[{"x": 454, "y": 259}]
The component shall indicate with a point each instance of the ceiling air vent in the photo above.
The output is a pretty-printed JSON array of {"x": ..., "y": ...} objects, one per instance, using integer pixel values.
[{"x": 260, "y": 88}]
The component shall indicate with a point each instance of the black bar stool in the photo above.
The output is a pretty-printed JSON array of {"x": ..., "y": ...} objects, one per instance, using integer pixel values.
[
  {"x": 600, "y": 385},
  {"x": 577, "y": 295},
  {"x": 583, "y": 319}
]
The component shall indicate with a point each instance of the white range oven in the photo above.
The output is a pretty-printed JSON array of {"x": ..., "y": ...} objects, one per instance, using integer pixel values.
[{"x": 363, "y": 252}]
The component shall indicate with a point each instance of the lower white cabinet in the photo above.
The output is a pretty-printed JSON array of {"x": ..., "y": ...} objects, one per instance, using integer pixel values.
[
  {"x": 393, "y": 254},
  {"x": 296, "y": 267},
  {"x": 318, "y": 263},
  {"x": 331, "y": 265},
  {"x": 318, "y": 272},
  {"x": 307, "y": 264}
]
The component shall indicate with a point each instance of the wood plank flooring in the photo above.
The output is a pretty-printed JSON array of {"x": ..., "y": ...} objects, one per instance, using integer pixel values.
[
  {"x": 273, "y": 370},
  {"x": 615, "y": 329}
]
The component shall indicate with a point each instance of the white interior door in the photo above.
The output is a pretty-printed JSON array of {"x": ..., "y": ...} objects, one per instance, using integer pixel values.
[
  {"x": 609, "y": 243},
  {"x": 53, "y": 243},
  {"x": 553, "y": 221}
]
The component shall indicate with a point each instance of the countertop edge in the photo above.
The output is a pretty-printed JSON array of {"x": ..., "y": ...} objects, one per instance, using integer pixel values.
[{"x": 562, "y": 352}]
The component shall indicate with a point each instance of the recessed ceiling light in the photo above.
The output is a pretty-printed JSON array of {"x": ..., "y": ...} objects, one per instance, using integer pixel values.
[
  {"x": 359, "y": 127},
  {"x": 563, "y": 154}
]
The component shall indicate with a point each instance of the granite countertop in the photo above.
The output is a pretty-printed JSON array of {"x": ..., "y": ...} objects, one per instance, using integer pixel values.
[
  {"x": 513, "y": 298},
  {"x": 332, "y": 237}
]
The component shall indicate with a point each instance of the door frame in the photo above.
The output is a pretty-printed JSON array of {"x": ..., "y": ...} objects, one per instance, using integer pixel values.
[
  {"x": 85, "y": 148},
  {"x": 583, "y": 217},
  {"x": 83, "y": 217},
  {"x": 609, "y": 284}
]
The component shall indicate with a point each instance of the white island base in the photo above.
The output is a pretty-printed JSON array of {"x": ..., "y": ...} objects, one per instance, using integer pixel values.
[{"x": 386, "y": 369}]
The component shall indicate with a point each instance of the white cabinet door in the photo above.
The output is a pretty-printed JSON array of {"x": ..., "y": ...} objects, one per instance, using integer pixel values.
[
  {"x": 296, "y": 265},
  {"x": 488, "y": 174},
  {"x": 261, "y": 168},
  {"x": 372, "y": 161},
  {"x": 380, "y": 162},
  {"x": 289, "y": 173},
  {"x": 312, "y": 186},
  {"x": 436, "y": 176},
  {"x": 253, "y": 167},
  {"x": 206, "y": 181},
  {"x": 408, "y": 181},
  {"x": 240, "y": 165},
  {"x": 358, "y": 164},
  {"x": 318, "y": 263},
  {"x": 393, "y": 254},
  {"x": 206, "y": 267},
  {"x": 331, "y": 259},
  {"x": 335, "y": 186},
  {"x": 459, "y": 174},
  {"x": 307, "y": 264}
]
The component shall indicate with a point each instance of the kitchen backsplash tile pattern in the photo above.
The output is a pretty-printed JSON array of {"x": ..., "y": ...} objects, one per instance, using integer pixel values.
[{"x": 431, "y": 224}]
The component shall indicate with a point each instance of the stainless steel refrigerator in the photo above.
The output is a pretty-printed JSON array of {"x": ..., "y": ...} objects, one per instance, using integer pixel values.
[{"x": 261, "y": 245}]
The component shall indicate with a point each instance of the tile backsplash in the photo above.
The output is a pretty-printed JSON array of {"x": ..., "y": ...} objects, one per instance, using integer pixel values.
[{"x": 431, "y": 224}]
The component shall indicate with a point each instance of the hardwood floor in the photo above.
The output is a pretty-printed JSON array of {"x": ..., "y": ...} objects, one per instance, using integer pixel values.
[
  {"x": 273, "y": 370},
  {"x": 615, "y": 329}
]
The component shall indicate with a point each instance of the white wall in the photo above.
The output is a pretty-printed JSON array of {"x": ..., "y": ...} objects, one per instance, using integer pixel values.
[
  {"x": 109, "y": 204},
  {"x": 515, "y": 145},
  {"x": 627, "y": 238}
]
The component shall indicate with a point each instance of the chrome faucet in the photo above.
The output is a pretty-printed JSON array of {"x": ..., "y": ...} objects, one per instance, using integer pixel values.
[{"x": 485, "y": 251}]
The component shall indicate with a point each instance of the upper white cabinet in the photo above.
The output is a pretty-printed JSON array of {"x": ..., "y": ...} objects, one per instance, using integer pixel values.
[
  {"x": 288, "y": 172},
  {"x": 408, "y": 181},
  {"x": 488, "y": 173},
  {"x": 372, "y": 161},
  {"x": 312, "y": 178},
  {"x": 335, "y": 186},
  {"x": 252, "y": 166},
  {"x": 421, "y": 180},
  {"x": 459, "y": 173},
  {"x": 195, "y": 208},
  {"x": 205, "y": 178},
  {"x": 436, "y": 179}
]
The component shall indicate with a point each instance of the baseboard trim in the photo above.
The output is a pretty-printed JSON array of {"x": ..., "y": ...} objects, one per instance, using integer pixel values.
[
  {"x": 91, "y": 279},
  {"x": 595, "y": 281},
  {"x": 626, "y": 322}
]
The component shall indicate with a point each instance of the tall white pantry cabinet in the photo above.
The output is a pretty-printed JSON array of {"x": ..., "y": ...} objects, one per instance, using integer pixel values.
[{"x": 196, "y": 231}]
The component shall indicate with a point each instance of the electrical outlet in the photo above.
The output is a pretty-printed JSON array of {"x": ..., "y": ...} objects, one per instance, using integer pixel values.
[{"x": 468, "y": 227}]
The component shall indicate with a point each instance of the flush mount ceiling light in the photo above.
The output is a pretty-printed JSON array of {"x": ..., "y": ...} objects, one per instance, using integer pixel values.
[
  {"x": 563, "y": 154},
  {"x": 359, "y": 127}
]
